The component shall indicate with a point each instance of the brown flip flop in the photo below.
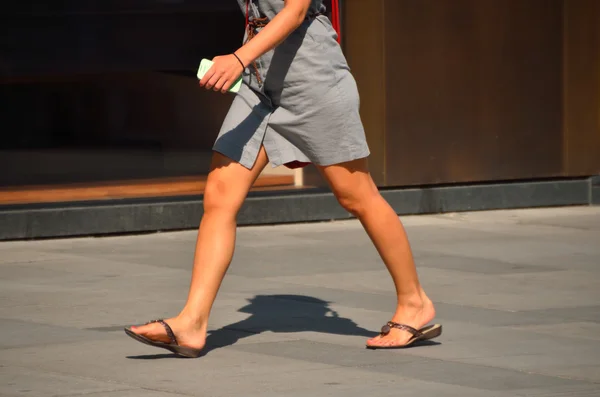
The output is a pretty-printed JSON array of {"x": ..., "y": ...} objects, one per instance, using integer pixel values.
[
  {"x": 425, "y": 333},
  {"x": 173, "y": 346}
]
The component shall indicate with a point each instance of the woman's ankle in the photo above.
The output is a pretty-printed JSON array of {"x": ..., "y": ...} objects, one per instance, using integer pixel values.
[
  {"x": 192, "y": 319},
  {"x": 417, "y": 299}
]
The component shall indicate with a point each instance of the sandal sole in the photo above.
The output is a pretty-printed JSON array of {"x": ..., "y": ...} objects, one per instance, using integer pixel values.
[
  {"x": 187, "y": 352},
  {"x": 429, "y": 332}
]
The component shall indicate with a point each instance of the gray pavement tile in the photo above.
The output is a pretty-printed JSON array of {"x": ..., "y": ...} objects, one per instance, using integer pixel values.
[
  {"x": 127, "y": 362},
  {"x": 562, "y": 391},
  {"x": 583, "y": 313},
  {"x": 26, "y": 382},
  {"x": 559, "y": 363},
  {"x": 317, "y": 382},
  {"x": 518, "y": 216},
  {"x": 12, "y": 254},
  {"x": 515, "y": 291},
  {"x": 326, "y": 353},
  {"x": 426, "y": 239},
  {"x": 494, "y": 317},
  {"x": 399, "y": 388},
  {"x": 476, "y": 265},
  {"x": 113, "y": 301},
  {"x": 578, "y": 330},
  {"x": 137, "y": 392},
  {"x": 552, "y": 365},
  {"x": 510, "y": 232},
  {"x": 521, "y": 250},
  {"x": 590, "y": 373},
  {"x": 253, "y": 263},
  {"x": 55, "y": 276},
  {"x": 580, "y": 222},
  {"x": 348, "y": 382},
  {"x": 473, "y": 376},
  {"x": 372, "y": 281},
  {"x": 83, "y": 266},
  {"x": 158, "y": 250},
  {"x": 570, "y": 261},
  {"x": 101, "y": 311},
  {"x": 16, "y": 333}
]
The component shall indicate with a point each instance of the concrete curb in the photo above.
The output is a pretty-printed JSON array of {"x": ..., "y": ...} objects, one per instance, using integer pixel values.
[{"x": 177, "y": 213}]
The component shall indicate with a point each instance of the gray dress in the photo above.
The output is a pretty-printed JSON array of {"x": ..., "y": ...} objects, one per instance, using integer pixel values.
[{"x": 305, "y": 108}]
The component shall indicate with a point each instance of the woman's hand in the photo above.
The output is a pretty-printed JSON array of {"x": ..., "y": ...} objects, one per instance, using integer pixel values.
[{"x": 221, "y": 76}]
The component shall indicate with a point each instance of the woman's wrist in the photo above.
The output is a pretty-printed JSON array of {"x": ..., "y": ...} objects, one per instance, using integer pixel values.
[{"x": 240, "y": 61}]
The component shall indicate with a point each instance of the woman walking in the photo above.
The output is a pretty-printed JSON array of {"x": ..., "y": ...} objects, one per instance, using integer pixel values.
[{"x": 298, "y": 104}]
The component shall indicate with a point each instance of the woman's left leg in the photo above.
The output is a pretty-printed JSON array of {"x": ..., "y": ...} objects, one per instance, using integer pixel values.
[{"x": 355, "y": 190}]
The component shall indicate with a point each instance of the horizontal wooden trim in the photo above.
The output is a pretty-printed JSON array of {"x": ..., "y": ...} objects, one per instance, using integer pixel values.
[{"x": 194, "y": 185}]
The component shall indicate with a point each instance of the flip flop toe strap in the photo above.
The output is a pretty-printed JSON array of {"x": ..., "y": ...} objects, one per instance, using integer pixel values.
[
  {"x": 386, "y": 329},
  {"x": 168, "y": 329}
]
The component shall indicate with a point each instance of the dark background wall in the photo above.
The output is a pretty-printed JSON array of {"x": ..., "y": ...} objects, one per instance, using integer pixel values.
[{"x": 452, "y": 91}]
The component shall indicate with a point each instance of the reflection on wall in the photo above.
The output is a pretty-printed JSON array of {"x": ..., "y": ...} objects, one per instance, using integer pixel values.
[
  {"x": 89, "y": 94},
  {"x": 127, "y": 125}
]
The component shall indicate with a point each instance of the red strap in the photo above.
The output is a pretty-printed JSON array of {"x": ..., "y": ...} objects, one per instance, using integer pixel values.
[
  {"x": 247, "y": 12},
  {"x": 335, "y": 18}
]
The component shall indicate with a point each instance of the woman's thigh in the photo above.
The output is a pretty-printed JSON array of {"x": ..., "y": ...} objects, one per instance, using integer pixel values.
[{"x": 351, "y": 183}]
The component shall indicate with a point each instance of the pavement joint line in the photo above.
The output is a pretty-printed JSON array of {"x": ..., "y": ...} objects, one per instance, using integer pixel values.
[
  {"x": 132, "y": 389},
  {"x": 167, "y": 392},
  {"x": 526, "y": 372},
  {"x": 423, "y": 253},
  {"x": 92, "y": 393}
]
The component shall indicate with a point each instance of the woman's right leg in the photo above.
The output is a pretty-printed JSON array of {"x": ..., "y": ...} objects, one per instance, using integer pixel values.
[{"x": 226, "y": 189}]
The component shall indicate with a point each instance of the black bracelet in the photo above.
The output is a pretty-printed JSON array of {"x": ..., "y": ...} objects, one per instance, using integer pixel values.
[{"x": 241, "y": 63}]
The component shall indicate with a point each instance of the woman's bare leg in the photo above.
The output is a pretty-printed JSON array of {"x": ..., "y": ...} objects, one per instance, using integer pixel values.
[
  {"x": 226, "y": 188},
  {"x": 357, "y": 193}
]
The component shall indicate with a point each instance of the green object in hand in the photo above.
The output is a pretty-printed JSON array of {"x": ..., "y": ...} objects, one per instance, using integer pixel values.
[{"x": 205, "y": 66}]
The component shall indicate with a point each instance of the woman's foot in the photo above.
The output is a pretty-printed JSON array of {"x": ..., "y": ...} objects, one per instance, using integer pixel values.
[
  {"x": 188, "y": 334},
  {"x": 416, "y": 315}
]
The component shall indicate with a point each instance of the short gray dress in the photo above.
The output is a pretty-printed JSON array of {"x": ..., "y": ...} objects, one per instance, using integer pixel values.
[{"x": 304, "y": 104}]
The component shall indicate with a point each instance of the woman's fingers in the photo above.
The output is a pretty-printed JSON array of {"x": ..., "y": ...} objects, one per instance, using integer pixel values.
[
  {"x": 220, "y": 84},
  {"x": 207, "y": 77},
  {"x": 226, "y": 87},
  {"x": 212, "y": 81},
  {"x": 222, "y": 74}
]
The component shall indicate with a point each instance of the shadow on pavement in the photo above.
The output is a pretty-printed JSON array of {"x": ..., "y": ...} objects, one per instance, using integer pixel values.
[{"x": 279, "y": 314}]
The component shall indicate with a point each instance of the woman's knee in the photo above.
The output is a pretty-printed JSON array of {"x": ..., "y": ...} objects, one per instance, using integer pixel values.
[
  {"x": 228, "y": 183},
  {"x": 356, "y": 199},
  {"x": 220, "y": 196},
  {"x": 352, "y": 185}
]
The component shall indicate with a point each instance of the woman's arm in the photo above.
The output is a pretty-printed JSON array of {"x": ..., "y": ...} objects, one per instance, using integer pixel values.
[{"x": 227, "y": 69}]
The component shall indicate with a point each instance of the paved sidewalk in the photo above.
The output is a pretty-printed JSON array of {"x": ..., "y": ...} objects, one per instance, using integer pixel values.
[{"x": 518, "y": 293}]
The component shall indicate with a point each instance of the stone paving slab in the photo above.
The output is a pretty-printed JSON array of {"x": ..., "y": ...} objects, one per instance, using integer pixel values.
[
  {"x": 517, "y": 292},
  {"x": 18, "y": 381}
]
